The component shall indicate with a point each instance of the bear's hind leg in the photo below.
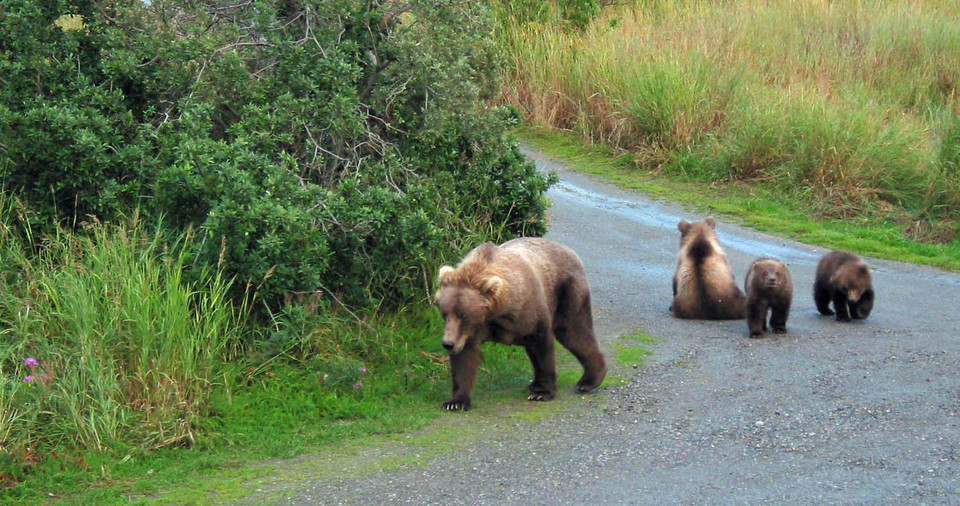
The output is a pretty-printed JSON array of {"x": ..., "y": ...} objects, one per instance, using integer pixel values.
[{"x": 573, "y": 328}]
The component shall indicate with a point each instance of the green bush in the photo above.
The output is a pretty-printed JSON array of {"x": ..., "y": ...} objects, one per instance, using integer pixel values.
[{"x": 334, "y": 146}]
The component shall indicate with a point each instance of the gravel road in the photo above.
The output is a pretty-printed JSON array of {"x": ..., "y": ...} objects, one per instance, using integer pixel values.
[{"x": 853, "y": 413}]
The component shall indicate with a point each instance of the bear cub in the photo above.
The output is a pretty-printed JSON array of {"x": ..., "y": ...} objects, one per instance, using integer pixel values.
[
  {"x": 768, "y": 288},
  {"x": 703, "y": 284},
  {"x": 844, "y": 279},
  {"x": 528, "y": 292}
]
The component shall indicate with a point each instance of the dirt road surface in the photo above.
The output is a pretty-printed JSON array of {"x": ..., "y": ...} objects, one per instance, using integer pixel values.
[{"x": 829, "y": 413}]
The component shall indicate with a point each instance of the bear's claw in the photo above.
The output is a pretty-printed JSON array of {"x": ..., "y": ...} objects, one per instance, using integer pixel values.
[
  {"x": 456, "y": 406},
  {"x": 540, "y": 397}
]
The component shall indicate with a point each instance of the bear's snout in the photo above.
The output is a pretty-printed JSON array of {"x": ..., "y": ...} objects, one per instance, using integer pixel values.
[{"x": 447, "y": 345}]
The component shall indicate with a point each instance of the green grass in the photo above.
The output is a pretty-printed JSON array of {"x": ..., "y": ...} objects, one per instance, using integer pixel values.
[
  {"x": 401, "y": 425},
  {"x": 285, "y": 410},
  {"x": 757, "y": 207},
  {"x": 850, "y": 108},
  {"x": 151, "y": 386},
  {"x": 628, "y": 350},
  {"x": 107, "y": 343}
]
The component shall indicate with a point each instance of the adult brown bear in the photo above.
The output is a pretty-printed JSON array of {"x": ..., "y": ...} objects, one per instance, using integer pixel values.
[
  {"x": 527, "y": 292},
  {"x": 844, "y": 279},
  {"x": 703, "y": 285}
]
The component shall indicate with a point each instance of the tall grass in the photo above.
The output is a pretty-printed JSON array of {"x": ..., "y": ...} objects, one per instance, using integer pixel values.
[
  {"x": 105, "y": 343},
  {"x": 851, "y": 106},
  {"x": 113, "y": 360}
]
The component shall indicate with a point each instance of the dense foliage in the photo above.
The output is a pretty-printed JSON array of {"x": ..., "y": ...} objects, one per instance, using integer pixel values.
[{"x": 338, "y": 147}]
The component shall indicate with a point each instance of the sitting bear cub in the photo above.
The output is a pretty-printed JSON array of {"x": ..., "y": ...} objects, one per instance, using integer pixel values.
[
  {"x": 528, "y": 292},
  {"x": 703, "y": 284}
]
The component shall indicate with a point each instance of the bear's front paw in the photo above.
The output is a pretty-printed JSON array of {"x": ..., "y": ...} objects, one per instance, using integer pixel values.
[
  {"x": 780, "y": 330},
  {"x": 540, "y": 396},
  {"x": 843, "y": 318},
  {"x": 756, "y": 334},
  {"x": 456, "y": 405}
]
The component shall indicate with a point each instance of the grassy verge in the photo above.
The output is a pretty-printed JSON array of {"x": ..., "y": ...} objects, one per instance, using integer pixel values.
[
  {"x": 335, "y": 405},
  {"x": 123, "y": 374},
  {"x": 759, "y": 207},
  {"x": 499, "y": 401},
  {"x": 848, "y": 109}
]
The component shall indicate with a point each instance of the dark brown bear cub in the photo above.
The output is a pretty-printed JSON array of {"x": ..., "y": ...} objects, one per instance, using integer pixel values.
[
  {"x": 529, "y": 292},
  {"x": 844, "y": 279},
  {"x": 768, "y": 287},
  {"x": 703, "y": 285}
]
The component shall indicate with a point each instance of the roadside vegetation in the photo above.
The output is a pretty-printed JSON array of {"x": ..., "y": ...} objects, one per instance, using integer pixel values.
[
  {"x": 760, "y": 207},
  {"x": 846, "y": 110},
  {"x": 220, "y": 224}
]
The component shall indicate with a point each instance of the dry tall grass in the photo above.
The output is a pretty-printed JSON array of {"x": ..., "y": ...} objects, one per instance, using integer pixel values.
[{"x": 855, "y": 103}]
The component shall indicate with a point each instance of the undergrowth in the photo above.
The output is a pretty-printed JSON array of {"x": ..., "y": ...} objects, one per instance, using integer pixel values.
[{"x": 117, "y": 374}]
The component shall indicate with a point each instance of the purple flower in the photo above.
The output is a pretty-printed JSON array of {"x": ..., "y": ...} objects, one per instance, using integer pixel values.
[
  {"x": 31, "y": 362},
  {"x": 363, "y": 369},
  {"x": 28, "y": 379},
  {"x": 358, "y": 385}
]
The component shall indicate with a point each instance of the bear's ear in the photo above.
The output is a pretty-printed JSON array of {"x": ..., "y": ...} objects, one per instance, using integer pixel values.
[
  {"x": 445, "y": 274},
  {"x": 492, "y": 287},
  {"x": 863, "y": 270},
  {"x": 683, "y": 227},
  {"x": 712, "y": 222}
]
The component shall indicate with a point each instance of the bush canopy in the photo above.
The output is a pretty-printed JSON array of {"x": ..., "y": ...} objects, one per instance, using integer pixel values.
[{"x": 335, "y": 146}]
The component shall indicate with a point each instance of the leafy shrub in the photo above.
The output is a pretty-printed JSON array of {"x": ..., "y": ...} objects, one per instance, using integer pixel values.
[{"x": 339, "y": 146}]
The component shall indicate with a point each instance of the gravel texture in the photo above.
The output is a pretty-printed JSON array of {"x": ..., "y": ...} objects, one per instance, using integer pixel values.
[{"x": 852, "y": 413}]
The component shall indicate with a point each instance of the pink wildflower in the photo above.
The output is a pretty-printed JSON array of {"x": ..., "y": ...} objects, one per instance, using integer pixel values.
[
  {"x": 31, "y": 362},
  {"x": 363, "y": 369},
  {"x": 358, "y": 385},
  {"x": 28, "y": 379}
]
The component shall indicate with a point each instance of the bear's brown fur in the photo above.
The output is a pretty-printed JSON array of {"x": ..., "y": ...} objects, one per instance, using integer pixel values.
[
  {"x": 844, "y": 279},
  {"x": 703, "y": 284},
  {"x": 768, "y": 287},
  {"x": 527, "y": 292}
]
